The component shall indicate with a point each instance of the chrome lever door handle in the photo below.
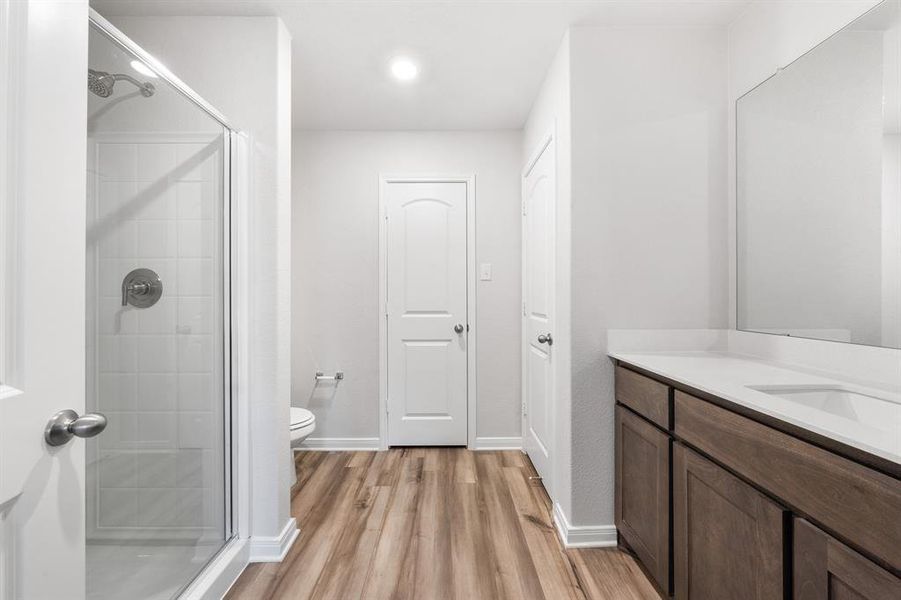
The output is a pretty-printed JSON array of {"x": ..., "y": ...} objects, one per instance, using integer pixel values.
[
  {"x": 458, "y": 328},
  {"x": 66, "y": 424},
  {"x": 546, "y": 339}
]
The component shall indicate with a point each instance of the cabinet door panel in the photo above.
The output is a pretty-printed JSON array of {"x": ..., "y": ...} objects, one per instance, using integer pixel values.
[
  {"x": 826, "y": 569},
  {"x": 728, "y": 537},
  {"x": 643, "y": 492}
]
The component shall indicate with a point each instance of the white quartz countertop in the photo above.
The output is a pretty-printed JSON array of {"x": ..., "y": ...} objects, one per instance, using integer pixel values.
[{"x": 875, "y": 429}]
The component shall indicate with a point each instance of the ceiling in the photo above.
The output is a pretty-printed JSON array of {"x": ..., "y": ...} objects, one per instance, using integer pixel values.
[{"x": 482, "y": 61}]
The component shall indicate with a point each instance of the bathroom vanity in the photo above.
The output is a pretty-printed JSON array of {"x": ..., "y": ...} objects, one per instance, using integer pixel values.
[{"x": 741, "y": 478}]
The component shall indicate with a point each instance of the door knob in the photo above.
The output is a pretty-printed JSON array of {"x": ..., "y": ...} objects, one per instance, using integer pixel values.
[
  {"x": 458, "y": 328},
  {"x": 546, "y": 339},
  {"x": 66, "y": 424}
]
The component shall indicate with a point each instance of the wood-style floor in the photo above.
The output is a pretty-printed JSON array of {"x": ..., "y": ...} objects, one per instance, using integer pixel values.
[{"x": 432, "y": 524}]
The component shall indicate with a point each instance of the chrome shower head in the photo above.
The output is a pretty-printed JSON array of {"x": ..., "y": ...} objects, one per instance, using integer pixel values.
[{"x": 102, "y": 83}]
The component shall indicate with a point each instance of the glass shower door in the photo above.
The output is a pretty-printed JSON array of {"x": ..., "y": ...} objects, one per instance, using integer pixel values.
[{"x": 157, "y": 487}]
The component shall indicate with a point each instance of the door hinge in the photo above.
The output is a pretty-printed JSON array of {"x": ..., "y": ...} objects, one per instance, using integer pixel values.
[
  {"x": 523, "y": 408},
  {"x": 523, "y": 308},
  {"x": 523, "y": 208}
]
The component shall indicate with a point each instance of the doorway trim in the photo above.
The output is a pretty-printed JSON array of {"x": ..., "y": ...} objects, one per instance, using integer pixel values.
[{"x": 471, "y": 283}]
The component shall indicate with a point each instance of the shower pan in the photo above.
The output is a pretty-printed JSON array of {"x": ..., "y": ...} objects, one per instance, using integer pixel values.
[{"x": 158, "y": 482}]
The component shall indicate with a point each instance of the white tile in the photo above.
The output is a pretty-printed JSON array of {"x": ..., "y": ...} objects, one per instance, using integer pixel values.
[
  {"x": 161, "y": 318},
  {"x": 117, "y": 353},
  {"x": 157, "y": 353},
  {"x": 156, "y": 429},
  {"x": 116, "y": 392},
  {"x": 195, "y": 430},
  {"x": 195, "y": 277},
  {"x": 121, "y": 431},
  {"x": 157, "y": 238},
  {"x": 117, "y": 161},
  {"x": 118, "y": 469},
  {"x": 194, "y": 200},
  {"x": 197, "y": 162},
  {"x": 114, "y": 203},
  {"x": 195, "y": 391},
  {"x": 155, "y": 161},
  {"x": 195, "y": 353},
  {"x": 157, "y": 507},
  {"x": 114, "y": 318},
  {"x": 157, "y": 469},
  {"x": 190, "y": 468},
  {"x": 119, "y": 240},
  {"x": 189, "y": 512},
  {"x": 154, "y": 200},
  {"x": 195, "y": 239},
  {"x": 196, "y": 313},
  {"x": 157, "y": 391},
  {"x": 118, "y": 507}
]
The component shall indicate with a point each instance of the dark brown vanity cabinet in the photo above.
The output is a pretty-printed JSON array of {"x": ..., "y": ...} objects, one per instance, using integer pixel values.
[
  {"x": 643, "y": 492},
  {"x": 719, "y": 503},
  {"x": 826, "y": 568},
  {"x": 728, "y": 536}
]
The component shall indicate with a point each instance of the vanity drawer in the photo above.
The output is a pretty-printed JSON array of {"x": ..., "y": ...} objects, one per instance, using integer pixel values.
[
  {"x": 645, "y": 396},
  {"x": 855, "y": 502}
]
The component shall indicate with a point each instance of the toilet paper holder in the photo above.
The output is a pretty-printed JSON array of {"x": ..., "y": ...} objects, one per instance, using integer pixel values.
[{"x": 338, "y": 376}]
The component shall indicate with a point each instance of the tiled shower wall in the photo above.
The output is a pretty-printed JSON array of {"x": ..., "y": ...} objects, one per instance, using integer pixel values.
[{"x": 155, "y": 201}]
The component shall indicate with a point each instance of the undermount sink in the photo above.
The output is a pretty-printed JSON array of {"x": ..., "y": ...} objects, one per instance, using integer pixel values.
[{"x": 841, "y": 402}]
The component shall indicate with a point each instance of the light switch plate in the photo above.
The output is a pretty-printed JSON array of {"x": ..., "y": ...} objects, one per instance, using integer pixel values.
[{"x": 485, "y": 271}]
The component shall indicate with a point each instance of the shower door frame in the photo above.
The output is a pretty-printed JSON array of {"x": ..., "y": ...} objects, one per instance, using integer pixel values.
[{"x": 225, "y": 566}]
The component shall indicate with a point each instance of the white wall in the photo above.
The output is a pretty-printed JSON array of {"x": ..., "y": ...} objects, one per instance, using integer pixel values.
[
  {"x": 648, "y": 215},
  {"x": 335, "y": 257},
  {"x": 242, "y": 67},
  {"x": 551, "y": 112}
]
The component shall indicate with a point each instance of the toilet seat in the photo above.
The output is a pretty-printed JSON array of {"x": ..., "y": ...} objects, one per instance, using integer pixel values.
[{"x": 300, "y": 417}]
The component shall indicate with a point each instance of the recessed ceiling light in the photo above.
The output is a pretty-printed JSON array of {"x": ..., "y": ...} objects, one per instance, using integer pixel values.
[
  {"x": 142, "y": 68},
  {"x": 404, "y": 69}
]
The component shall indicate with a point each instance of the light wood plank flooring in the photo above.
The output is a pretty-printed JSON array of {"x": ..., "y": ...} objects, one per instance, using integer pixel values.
[{"x": 432, "y": 524}]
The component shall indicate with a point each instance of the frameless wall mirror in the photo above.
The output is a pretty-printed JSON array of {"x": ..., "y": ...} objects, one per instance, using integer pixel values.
[{"x": 818, "y": 170}]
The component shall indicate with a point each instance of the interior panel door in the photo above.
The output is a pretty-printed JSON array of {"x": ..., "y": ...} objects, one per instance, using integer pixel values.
[
  {"x": 42, "y": 295},
  {"x": 539, "y": 206},
  {"x": 427, "y": 320}
]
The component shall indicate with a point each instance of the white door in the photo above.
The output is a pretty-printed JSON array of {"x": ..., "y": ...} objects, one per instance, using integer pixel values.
[
  {"x": 42, "y": 295},
  {"x": 427, "y": 329},
  {"x": 539, "y": 205}
]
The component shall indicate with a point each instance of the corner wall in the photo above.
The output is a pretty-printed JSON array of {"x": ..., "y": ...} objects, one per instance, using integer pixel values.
[
  {"x": 250, "y": 82},
  {"x": 648, "y": 216}
]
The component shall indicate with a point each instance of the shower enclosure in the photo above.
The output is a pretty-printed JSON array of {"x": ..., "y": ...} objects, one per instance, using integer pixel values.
[{"x": 158, "y": 486}]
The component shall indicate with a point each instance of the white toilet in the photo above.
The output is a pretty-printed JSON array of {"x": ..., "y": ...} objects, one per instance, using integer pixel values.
[{"x": 303, "y": 423}]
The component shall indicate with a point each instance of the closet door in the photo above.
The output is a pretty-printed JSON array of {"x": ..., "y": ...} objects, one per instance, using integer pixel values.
[{"x": 728, "y": 537}]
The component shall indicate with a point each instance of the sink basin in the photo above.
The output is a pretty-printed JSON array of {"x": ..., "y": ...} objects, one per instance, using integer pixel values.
[{"x": 841, "y": 402}]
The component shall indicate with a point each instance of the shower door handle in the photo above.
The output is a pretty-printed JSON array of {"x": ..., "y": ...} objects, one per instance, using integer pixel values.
[{"x": 66, "y": 424}]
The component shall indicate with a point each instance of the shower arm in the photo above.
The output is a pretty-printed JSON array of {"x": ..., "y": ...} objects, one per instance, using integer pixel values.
[{"x": 129, "y": 79}]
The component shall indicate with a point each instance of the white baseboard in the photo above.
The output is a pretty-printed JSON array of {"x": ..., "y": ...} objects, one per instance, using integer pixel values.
[
  {"x": 339, "y": 444},
  {"x": 498, "y": 443},
  {"x": 274, "y": 549},
  {"x": 222, "y": 572},
  {"x": 583, "y": 536}
]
